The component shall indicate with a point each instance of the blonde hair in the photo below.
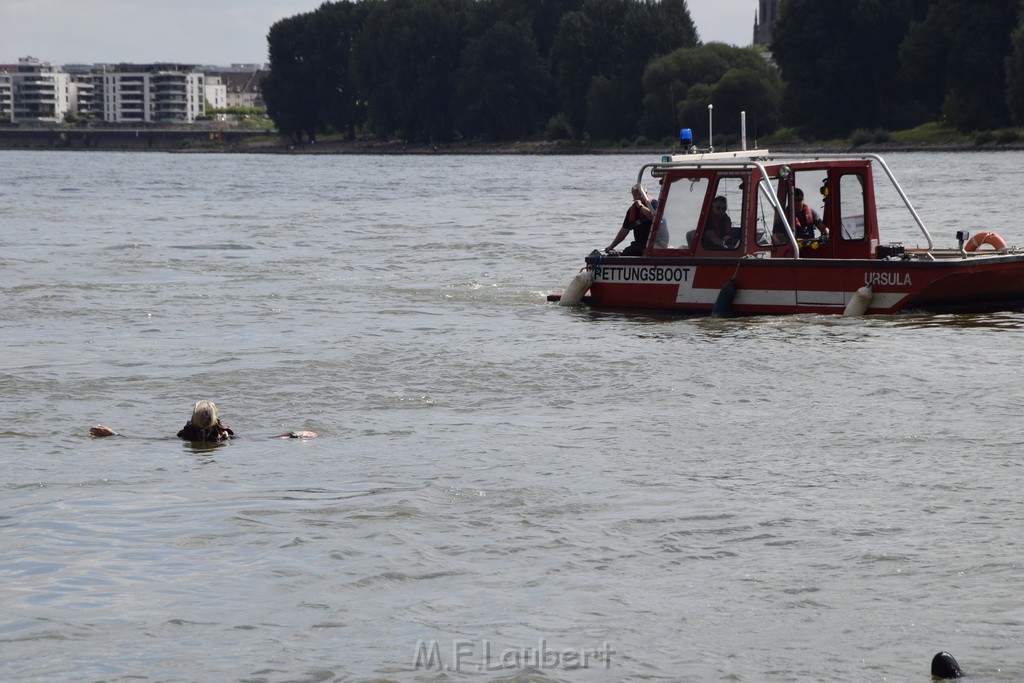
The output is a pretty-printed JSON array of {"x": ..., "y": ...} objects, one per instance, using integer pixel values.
[{"x": 204, "y": 414}]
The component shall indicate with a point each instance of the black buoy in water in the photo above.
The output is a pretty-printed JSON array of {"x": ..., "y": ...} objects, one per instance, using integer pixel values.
[
  {"x": 945, "y": 666},
  {"x": 723, "y": 304}
]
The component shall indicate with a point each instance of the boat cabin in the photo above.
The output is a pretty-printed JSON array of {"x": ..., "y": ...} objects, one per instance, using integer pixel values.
[{"x": 740, "y": 207}]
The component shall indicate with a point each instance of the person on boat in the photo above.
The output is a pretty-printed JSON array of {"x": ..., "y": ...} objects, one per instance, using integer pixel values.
[
  {"x": 639, "y": 219},
  {"x": 806, "y": 219},
  {"x": 204, "y": 426},
  {"x": 718, "y": 230}
]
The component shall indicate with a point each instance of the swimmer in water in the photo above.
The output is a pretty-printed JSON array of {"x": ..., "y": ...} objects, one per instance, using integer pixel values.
[
  {"x": 204, "y": 426},
  {"x": 944, "y": 665}
]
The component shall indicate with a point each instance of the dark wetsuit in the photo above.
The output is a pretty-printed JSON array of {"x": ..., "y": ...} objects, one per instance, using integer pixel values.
[
  {"x": 218, "y": 432},
  {"x": 640, "y": 224}
]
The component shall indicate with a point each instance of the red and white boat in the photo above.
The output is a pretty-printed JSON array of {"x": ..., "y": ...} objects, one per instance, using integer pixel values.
[{"x": 765, "y": 269}]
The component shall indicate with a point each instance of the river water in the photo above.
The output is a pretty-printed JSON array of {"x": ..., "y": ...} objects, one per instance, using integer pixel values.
[{"x": 502, "y": 488}]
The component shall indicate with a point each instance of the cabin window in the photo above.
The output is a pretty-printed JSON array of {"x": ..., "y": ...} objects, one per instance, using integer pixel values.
[
  {"x": 851, "y": 208},
  {"x": 765, "y": 220},
  {"x": 724, "y": 216},
  {"x": 785, "y": 192},
  {"x": 683, "y": 204}
]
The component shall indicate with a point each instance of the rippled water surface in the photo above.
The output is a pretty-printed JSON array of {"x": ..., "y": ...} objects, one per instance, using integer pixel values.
[{"x": 637, "y": 498}]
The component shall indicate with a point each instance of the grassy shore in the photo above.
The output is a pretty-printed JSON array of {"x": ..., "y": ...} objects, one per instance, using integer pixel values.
[
  {"x": 928, "y": 137},
  {"x": 196, "y": 139}
]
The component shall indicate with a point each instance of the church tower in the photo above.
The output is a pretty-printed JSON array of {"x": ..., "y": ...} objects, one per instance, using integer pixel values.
[{"x": 764, "y": 20}]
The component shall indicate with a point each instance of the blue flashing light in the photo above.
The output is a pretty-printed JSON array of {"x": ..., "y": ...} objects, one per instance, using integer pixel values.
[{"x": 686, "y": 137}]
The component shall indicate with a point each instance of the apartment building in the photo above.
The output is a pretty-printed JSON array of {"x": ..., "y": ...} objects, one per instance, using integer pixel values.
[
  {"x": 149, "y": 93},
  {"x": 5, "y": 94},
  {"x": 39, "y": 91},
  {"x": 242, "y": 84},
  {"x": 82, "y": 91},
  {"x": 216, "y": 92}
]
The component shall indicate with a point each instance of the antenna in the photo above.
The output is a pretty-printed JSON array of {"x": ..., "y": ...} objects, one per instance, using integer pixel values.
[{"x": 711, "y": 137}]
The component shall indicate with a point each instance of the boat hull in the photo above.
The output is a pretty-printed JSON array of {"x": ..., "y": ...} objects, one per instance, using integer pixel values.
[{"x": 786, "y": 286}]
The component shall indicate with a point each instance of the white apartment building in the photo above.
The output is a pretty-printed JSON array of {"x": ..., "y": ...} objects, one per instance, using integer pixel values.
[
  {"x": 150, "y": 93},
  {"x": 158, "y": 93},
  {"x": 5, "y": 95},
  {"x": 82, "y": 101},
  {"x": 216, "y": 92},
  {"x": 83, "y": 96},
  {"x": 39, "y": 92}
]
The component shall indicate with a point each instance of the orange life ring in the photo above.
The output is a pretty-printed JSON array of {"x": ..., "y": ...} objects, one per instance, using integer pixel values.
[{"x": 985, "y": 237}]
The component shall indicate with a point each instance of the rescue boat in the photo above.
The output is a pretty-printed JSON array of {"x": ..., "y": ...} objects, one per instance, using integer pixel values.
[{"x": 764, "y": 267}]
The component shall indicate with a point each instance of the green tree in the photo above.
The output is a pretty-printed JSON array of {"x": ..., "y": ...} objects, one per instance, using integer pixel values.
[
  {"x": 599, "y": 56},
  {"x": 573, "y": 64},
  {"x": 693, "y": 112},
  {"x": 608, "y": 115},
  {"x": 840, "y": 62},
  {"x": 337, "y": 26},
  {"x": 541, "y": 15},
  {"x": 650, "y": 30},
  {"x": 309, "y": 88},
  {"x": 756, "y": 92},
  {"x": 406, "y": 60},
  {"x": 954, "y": 61},
  {"x": 289, "y": 89},
  {"x": 429, "y": 70},
  {"x": 1015, "y": 72},
  {"x": 670, "y": 28},
  {"x": 504, "y": 88},
  {"x": 679, "y": 87},
  {"x": 668, "y": 80}
]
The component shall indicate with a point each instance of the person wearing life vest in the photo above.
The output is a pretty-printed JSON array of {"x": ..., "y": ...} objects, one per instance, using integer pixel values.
[
  {"x": 639, "y": 219},
  {"x": 806, "y": 219}
]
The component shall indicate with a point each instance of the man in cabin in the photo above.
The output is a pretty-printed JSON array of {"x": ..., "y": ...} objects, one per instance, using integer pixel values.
[
  {"x": 718, "y": 230},
  {"x": 806, "y": 219},
  {"x": 639, "y": 219}
]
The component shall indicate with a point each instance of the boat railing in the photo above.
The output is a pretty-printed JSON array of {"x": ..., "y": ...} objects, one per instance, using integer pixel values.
[
  {"x": 765, "y": 186},
  {"x": 885, "y": 167}
]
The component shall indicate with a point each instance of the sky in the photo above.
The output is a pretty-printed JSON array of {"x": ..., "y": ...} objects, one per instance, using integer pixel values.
[{"x": 216, "y": 32}]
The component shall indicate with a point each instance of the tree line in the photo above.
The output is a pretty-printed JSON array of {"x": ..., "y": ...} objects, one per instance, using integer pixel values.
[
  {"x": 434, "y": 71},
  {"x": 894, "y": 64}
]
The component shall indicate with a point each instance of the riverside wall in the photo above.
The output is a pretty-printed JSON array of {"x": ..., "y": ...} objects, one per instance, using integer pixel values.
[{"x": 141, "y": 138}]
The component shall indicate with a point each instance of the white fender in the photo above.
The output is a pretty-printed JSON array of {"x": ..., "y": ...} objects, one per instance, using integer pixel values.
[
  {"x": 573, "y": 294},
  {"x": 860, "y": 301}
]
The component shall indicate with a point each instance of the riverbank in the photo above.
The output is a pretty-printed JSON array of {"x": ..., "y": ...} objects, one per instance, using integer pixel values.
[
  {"x": 377, "y": 147},
  {"x": 204, "y": 140},
  {"x": 122, "y": 138}
]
